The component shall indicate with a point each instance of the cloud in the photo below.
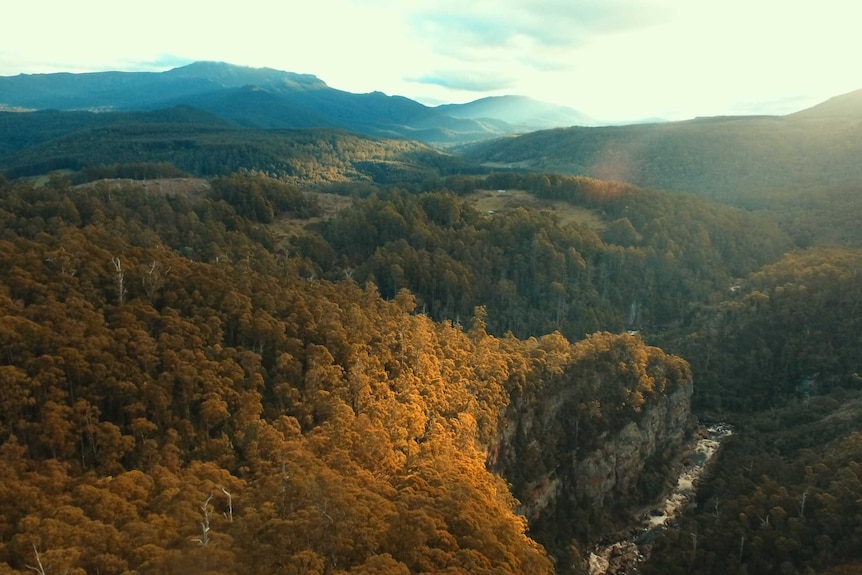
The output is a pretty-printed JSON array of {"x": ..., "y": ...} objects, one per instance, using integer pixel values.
[
  {"x": 518, "y": 45},
  {"x": 472, "y": 81},
  {"x": 483, "y": 24},
  {"x": 162, "y": 62}
]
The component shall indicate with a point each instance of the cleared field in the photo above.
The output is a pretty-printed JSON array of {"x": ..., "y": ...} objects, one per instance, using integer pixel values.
[
  {"x": 496, "y": 201},
  {"x": 330, "y": 204}
]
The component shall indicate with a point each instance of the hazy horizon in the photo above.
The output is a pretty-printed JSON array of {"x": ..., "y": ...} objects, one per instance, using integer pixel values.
[{"x": 611, "y": 60}]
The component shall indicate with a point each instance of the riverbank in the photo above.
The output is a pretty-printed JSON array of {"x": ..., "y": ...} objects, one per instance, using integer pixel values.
[{"x": 631, "y": 546}]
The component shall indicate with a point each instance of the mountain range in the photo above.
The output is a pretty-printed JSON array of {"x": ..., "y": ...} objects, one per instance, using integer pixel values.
[
  {"x": 342, "y": 350},
  {"x": 267, "y": 98},
  {"x": 211, "y": 118}
]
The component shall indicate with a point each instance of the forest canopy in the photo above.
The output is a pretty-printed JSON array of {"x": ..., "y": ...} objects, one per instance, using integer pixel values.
[
  {"x": 243, "y": 379},
  {"x": 179, "y": 398}
]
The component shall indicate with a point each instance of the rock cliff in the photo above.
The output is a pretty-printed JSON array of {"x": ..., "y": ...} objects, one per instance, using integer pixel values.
[
  {"x": 581, "y": 455},
  {"x": 617, "y": 470}
]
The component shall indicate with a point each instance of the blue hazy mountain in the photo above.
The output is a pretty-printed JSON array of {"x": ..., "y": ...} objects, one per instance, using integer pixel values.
[{"x": 269, "y": 98}]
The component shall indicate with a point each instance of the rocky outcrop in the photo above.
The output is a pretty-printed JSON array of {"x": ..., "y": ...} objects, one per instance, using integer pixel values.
[
  {"x": 581, "y": 466},
  {"x": 613, "y": 471}
]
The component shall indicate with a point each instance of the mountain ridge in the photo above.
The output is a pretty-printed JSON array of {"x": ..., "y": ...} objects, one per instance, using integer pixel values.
[
  {"x": 236, "y": 76},
  {"x": 740, "y": 159},
  {"x": 293, "y": 101},
  {"x": 840, "y": 106}
]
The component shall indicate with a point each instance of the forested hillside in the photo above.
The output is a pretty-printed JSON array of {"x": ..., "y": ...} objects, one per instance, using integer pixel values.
[
  {"x": 730, "y": 159},
  {"x": 791, "y": 329},
  {"x": 202, "y": 145},
  {"x": 784, "y": 498},
  {"x": 181, "y": 397},
  {"x": 779, "y": 356},
  {"x": 771, "y": 331},
  {"x": 656, "y": 253}
]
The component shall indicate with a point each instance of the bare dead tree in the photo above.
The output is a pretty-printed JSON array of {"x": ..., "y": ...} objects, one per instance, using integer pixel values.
[
  {"x": 154, "y": 277},
  {"x": 39, "y": 568},
  {"x": 284, "y": 478},
  {"x": 801, "y": 500},
  {"x": 693, "y": 535},
  {"x": 120, "y": 279},
  {"x": 229, "y": 513},
  {"x": 63, "y": 261},
  {"x": 204, "y": 539},
  {"x": 323, "y": 511}
]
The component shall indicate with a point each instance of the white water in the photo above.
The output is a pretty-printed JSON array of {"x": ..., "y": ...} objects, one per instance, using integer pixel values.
[{"x": 624, "y": 555}]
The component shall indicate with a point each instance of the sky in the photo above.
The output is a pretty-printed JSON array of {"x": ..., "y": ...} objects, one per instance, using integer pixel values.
[{"x": 614, "y": 60}]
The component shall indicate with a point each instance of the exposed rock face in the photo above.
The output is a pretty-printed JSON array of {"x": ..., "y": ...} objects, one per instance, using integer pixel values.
[
  {"x": 611, "y": 472},
  {"x": 624, "y": 551},
  {"x": 578, "y": 475}
]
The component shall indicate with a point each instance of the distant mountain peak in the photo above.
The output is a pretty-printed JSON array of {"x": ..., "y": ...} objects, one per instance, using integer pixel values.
[
  {"x": 274, "y": 99},
  {"x": 519, "y": 111},
  {"x": 233, "y": 76}
]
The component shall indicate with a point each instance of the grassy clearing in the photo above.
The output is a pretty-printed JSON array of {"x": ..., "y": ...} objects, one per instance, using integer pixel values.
[
  {"x": 330, "y": 204},
  {"x": 494, "y": 201}
]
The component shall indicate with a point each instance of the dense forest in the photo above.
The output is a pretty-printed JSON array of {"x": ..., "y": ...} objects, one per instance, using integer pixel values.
[
  {"x": 180, "y": 396},
  {"x": 785, "y": 497},
  {"x": 205, "y": 145},
  {"x": 655, "y": 254},
  {"x": 771, "y": 331},
  {"x": 240, "y": 378}
]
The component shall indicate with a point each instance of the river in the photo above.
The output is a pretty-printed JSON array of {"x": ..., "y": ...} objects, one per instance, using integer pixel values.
[{"x": 628, "y": 548}]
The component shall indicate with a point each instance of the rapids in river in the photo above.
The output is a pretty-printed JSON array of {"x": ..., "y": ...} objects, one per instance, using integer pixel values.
[{"x": 629, "y": 547}]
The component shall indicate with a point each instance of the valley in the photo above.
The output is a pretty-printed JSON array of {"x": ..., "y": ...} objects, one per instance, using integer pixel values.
[
  {"x": 256, "y": 327},
  {"x": 628, "y": 548}
]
